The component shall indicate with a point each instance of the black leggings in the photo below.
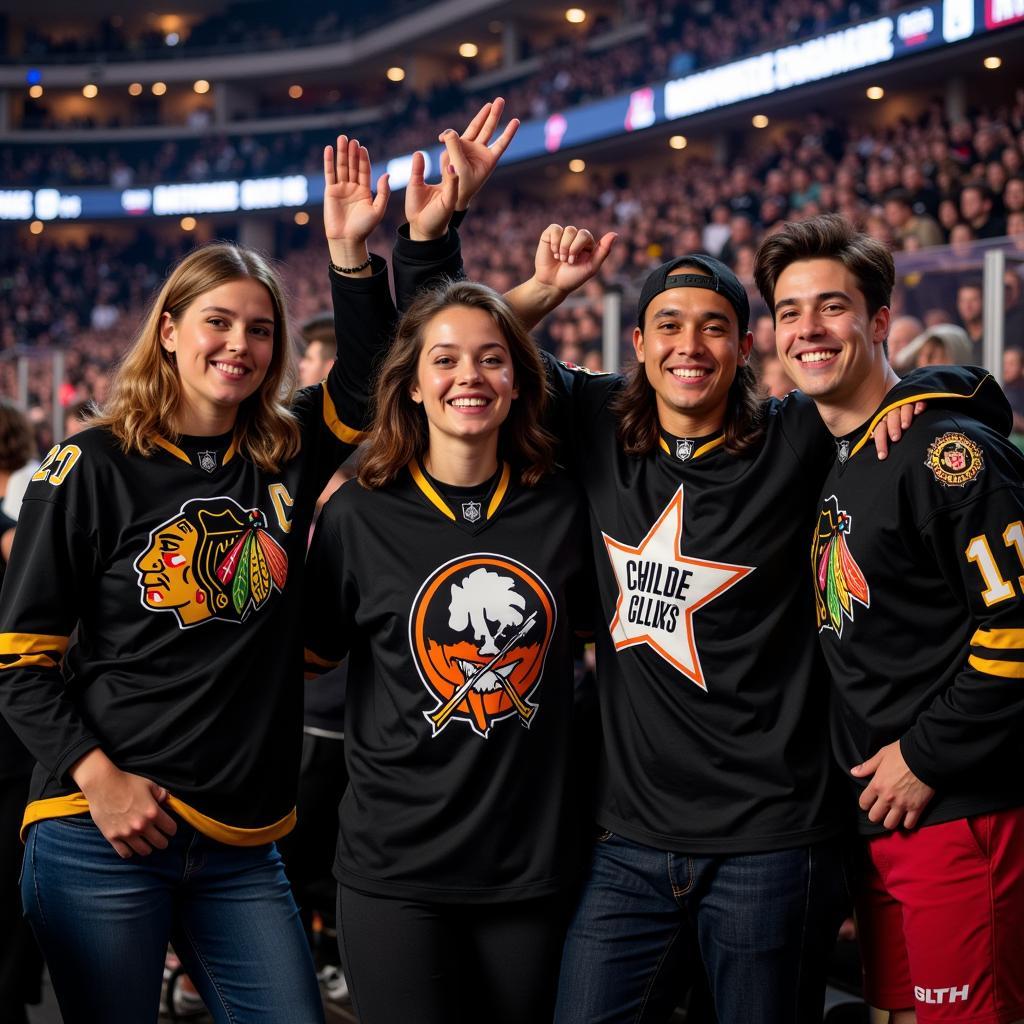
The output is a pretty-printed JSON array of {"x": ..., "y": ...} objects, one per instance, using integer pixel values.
[{"x": 433, "y": 963}]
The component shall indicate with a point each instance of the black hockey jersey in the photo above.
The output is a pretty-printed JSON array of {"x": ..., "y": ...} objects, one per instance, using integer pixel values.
[
  {"x": 178, "y": 575},
  {"x": 457, "y": 625},
  {"x": 713, "y": 693},
  {"x": 713, "y": 697},
  {"x": 918, "y": 564}
]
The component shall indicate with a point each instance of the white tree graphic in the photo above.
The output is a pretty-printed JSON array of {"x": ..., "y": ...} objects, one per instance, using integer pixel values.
[{"x": 482, "y": 597}]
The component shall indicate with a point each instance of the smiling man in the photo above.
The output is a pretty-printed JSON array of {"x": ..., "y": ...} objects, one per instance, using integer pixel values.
[
  {"x": 717, "y": 830},
  {"x": 917, "y": 574}
]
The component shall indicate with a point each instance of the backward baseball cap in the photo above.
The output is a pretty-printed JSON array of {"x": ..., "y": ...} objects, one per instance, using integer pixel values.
[{"x": 717, "y": 277}]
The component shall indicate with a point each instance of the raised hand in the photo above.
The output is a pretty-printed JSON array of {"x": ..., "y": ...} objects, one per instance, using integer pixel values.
[
  {"x": 568, "y": 257},
  {"x": 472, "y": 153},
  {"x": 429, "y": 208},
  {"x": 351, "y": 211}
]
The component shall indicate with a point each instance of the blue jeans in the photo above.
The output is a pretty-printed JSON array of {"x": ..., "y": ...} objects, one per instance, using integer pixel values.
[
  {"x": 104, "y": 923},
  {"x": 763, "y": 924}
]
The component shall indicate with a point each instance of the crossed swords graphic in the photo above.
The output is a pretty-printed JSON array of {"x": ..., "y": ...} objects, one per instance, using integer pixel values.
[{"x": 439, "y": 718}]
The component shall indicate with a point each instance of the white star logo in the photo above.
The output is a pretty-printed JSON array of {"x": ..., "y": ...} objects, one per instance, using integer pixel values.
[{"x": 660, "y": 589}]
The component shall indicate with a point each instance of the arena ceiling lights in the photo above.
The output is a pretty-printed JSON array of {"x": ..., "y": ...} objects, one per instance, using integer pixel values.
[{"x": 872, "y": 43}]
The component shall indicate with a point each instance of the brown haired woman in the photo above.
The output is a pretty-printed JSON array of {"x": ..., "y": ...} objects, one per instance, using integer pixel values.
[
  {"x": 451, "y": 572},
  {"x": 169, "y": 537}
]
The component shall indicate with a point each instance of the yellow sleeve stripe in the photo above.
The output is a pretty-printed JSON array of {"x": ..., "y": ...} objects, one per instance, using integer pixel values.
[
  {"x": 906, "y": 401},
  {"x": 37, "y": 650},
  {"x": 342, "y": 432},
  {"x": 315, "y": 659},
  {"x": 76, "y": 803},
  {"x": 999, "y": 639},
  {"x": 1005, "y": 669}
]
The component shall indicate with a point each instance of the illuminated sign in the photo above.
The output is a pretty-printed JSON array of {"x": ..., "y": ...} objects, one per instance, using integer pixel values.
[
  {"x": 202, "y": 197},
  {"x": 136, "y": 200},
  {"x": 273, "y": 193},
  {"x": 914, "y": 27},
  {"x": 15, "y": 204},
  {"x": 834, "y": 54},
  {"x": 641, "y": 110},
  {"x": 1003, "y": 12},
  {"x": 957, "y": 20},
  {"x": 50, "y": 204}
]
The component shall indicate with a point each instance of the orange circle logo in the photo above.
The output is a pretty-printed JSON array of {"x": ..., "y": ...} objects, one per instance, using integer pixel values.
[{"x": 479, "y": 632}]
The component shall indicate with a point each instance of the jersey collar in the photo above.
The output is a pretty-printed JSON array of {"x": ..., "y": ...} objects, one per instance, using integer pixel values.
[
  {"x": 174, "y": 450},
  {"x": 687, "y": 449},
  {"x": 437, "y": 500}
]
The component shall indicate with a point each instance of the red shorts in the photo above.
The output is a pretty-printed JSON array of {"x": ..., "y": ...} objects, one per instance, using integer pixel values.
[{"x": 940, "y": 914}]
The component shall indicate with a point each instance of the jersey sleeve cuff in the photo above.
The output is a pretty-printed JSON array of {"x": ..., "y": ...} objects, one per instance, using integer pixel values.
[
  {"x": 918, "y": 763},
  {"x": 378, "y": 273},
  {"x": 436, "y": 250},
  {"x": 74, "y": 753}
]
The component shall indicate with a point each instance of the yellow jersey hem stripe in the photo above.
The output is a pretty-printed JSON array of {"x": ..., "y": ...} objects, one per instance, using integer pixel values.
[
  {"x": 1004, "y": 669},
  {"x": 906, "y": 401},
  {"x": 999, "y": 639},
  {"x": 340, "y": 430},
  {"x": 76, "y": 803}
]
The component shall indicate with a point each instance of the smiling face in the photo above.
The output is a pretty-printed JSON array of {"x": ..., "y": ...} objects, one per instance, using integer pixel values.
[
  {"x": 223, "y": 345},
  {"x": 465, "y": 378},
  {"x": 829, "y": 344},
  {"x": 691, "y": 349}
]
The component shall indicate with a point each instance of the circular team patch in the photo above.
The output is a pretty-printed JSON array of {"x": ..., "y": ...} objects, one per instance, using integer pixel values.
[
  {"x": 479, "y": 632},
  {"x": 954, "y": 459}
]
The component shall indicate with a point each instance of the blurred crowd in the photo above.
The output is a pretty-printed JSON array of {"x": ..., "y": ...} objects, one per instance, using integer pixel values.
[
  {"x": 936, "y": 191},
  {"x": 240, "y": 26},
  {"x": 578, "y": 65}
]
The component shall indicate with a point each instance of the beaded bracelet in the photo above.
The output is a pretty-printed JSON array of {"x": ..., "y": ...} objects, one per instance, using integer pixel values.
[{"x": 350, "y": 270}]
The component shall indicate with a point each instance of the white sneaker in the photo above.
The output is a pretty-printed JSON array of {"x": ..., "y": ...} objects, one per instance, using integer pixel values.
[{"x": 333, "y": 983}]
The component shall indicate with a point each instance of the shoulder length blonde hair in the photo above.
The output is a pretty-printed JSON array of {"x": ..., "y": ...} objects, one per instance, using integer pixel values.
[
  {"x": 146, "y": 391},
  {"x": 399, "y": 431}
]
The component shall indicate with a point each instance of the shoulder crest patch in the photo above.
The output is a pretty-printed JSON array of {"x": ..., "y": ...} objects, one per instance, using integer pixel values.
[{"x": 954, "y": 459}]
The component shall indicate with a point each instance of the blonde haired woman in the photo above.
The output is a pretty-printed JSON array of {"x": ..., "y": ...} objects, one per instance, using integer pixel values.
[{"x": 169, "y": 538}]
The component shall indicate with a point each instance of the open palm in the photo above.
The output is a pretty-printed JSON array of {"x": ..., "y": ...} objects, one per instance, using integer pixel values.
[
  {"x": 472, "y": 153},
  {"x": 351, "y": 211}
]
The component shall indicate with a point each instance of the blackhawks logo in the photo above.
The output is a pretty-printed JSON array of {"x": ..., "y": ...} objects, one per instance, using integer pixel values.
[
  {"x": 213, "y": 560},
  {"x": 479, "y": 633},
  {"x": 954, "y": 459},
  {"x": 838, "y": 579}
]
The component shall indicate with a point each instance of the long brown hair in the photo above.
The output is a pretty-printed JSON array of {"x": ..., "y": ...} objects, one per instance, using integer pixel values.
[
  {"x": 146, "y": 390},
  {"x": 399, "y": 432},
  {"x": 636, "y": 407}
]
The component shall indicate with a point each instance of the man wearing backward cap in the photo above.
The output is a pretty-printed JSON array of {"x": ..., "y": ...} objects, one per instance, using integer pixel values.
[{"x": 717, "y": 822}]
